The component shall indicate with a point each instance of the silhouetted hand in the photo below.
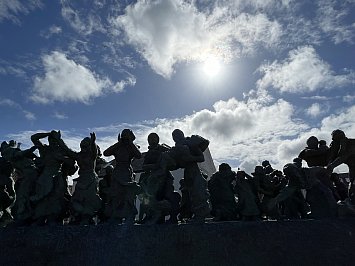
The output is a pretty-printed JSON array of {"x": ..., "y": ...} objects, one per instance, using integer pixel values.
[{"x": 93, "y": 136}]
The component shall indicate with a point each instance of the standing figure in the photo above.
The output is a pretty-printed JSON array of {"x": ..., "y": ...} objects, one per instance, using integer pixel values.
[
  {"x": 248, "y": 200},
  {"x": 85, "y": 202},
  {"x": 220, "y": 186},
  {"x": 27, "y": 172},
  {"x": 49, "y": 197},
  {"x": 157, "y": 185},
  {"x": 342, "y": 150},
  {"x": 187, "y": 152},
  {"x": 123, "y": 187}
]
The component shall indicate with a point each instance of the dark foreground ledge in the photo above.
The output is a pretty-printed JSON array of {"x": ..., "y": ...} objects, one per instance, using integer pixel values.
[{"x": 326, "y": 242}]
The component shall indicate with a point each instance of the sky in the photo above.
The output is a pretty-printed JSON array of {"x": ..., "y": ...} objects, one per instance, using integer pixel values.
[{"x": 256, "y": 78}]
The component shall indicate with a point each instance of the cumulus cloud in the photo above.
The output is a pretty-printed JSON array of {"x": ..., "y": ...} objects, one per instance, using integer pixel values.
[
  {"x": 172, "y": 31},
  {"x": 66, "y": 80},
  {"x": 10, "y": 10},
  {"x": 316, "y": 110},
  {"x": 302, "y": 71},
  {"x": 241, "y": 132}
]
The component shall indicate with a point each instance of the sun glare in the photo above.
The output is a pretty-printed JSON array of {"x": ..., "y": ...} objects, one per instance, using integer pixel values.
[{"x": 211, "y": 67}]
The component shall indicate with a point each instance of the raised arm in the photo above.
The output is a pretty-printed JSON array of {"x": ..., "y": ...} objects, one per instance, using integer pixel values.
[
  {"x": 93, "y": 145},
  {"x": 110, "y": 150},
  {"x": 35, "y": 138}
]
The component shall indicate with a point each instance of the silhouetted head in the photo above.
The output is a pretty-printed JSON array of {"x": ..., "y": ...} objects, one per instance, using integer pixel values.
[
  {"x": 224, "y": 167},
  {"x": 265, "y": 163},
  {"x": 322, "y": 142},
  {"x": 153, "y": 139},
  {"x": 338, "y": 135},
  {"x": 291, "y": 170},
  {"x": 12, "y": 143},
  {"x": 4, "y": 145},
  {"x": 85, "y": 144},
  {"x": 259, "y": 170},
  {"x": 127, "y": 134},
  {"x": 312, "y": 142},
  {"x": 178, "y": 135}
]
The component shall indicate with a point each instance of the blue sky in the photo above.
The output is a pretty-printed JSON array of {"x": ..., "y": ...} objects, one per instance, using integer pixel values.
[{"x": 255, "y": 77}]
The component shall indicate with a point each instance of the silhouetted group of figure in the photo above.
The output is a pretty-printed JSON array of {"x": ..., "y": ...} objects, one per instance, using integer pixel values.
[{"x": 34, "y": 187}]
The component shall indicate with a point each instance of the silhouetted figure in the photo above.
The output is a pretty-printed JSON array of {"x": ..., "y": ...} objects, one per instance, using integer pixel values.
[
  {"x": 342, "y": 150},
  {"x": 49, "y": 197},
  {"x": 124, "y": 188},
  {"x": 313, "y": 155},
  {"x": 157, "y": 185},
  {"x": 85, "y": 202},
  {"x": 27, "y": 172},
  {"x": 187, "y": 152},
  {"x": 267, "y": 167},
  {"x": 221, "y": 188},
  {"x": 248, "y": 200},
  {"x": 295, "y": 206},
  {"x": 268, "y": 184}
]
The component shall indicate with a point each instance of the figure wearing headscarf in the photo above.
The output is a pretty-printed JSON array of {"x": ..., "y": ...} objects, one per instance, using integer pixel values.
[{"x": 124, "y": 188}]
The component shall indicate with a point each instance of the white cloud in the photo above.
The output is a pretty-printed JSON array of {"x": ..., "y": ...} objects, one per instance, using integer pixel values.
[
  {"x": 316, "y": 110},
  {"x": 29, "y": 115},
  {"x": 172, "y": 31},
  {"x": 9, "y": 102},
  {"x": 84, "y": 24},
  {"x": 349, "y": 98},
  {"x": 65, "y": 80},
  {"x": 302, "y": 71},
  {"x": 60, "y": 116},
  {"x": 52, "y": 30},
  {"x": 12, "y": 104},
  {"x": 241, "y": 132},
  {"x": 120, "y": 85},
  {"x": 11, "y": 9}
]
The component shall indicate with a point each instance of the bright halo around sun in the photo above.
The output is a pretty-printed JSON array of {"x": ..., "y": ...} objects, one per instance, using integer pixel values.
[{"x": 212, "y": 66}]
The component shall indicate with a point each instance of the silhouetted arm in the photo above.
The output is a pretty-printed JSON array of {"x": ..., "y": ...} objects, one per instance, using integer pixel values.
[
  {"x": 111, "y": 150},
  {"x": 35, "y": 138}
]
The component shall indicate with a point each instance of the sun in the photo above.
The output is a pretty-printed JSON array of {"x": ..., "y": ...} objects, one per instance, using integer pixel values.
[{"x": 211, "y": 66}]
